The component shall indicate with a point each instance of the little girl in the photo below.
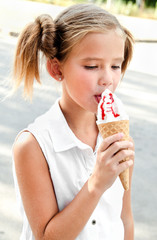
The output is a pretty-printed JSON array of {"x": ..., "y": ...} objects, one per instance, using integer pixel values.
[{"x": 66, "y": 176}]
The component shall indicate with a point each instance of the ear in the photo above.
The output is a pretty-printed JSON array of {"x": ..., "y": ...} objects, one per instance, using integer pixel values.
[{"x": 54, "y": 68}]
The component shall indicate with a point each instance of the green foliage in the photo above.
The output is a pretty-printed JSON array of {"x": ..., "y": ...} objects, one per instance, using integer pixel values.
[
  {"x": 151, "y": 3},
  {"x": 147, "y": 3},
  {"x": 130, "y": 8}
]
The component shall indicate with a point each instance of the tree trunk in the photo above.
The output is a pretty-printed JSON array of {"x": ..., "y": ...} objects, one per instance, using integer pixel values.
[{"x": 108, "y": 4}]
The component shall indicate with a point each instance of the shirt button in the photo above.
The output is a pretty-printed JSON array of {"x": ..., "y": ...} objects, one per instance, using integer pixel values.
[{"x": 93, "y": 222}]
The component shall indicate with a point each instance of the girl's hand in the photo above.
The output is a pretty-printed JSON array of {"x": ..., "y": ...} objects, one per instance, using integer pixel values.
[{"x": 110, "y": 153}]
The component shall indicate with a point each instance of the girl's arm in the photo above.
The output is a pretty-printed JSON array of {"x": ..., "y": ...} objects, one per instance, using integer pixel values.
[
  {"x": 37, "y": 192},
  {"x": 127, "y": 215}
]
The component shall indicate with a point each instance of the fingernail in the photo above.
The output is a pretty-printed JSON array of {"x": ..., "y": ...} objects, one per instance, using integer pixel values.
[
  {"x": 131, "y": 144},
  {"x": 121, "y": 134},
  {"x": 130, "y": 162}
]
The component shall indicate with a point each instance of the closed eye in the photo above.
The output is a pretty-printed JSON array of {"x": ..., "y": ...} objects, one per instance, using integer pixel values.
[
  {"x": 116, "y": 67},
  {"x": 90, "y": 67}
]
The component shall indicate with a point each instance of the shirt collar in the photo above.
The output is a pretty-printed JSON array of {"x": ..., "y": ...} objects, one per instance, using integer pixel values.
[{"x": 62, "y": 136}]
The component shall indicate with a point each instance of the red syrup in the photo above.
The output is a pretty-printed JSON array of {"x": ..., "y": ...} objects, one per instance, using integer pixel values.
[
  {"x": 109, "y": 108},
  {"x": 102, "y": 109}
]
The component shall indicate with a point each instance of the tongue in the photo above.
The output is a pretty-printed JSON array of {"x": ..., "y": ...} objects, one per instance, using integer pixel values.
[{"x": 98, "y": 98}]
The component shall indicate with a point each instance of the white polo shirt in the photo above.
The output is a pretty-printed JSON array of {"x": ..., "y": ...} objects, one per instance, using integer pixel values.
[{"x": 70, "y": 164}]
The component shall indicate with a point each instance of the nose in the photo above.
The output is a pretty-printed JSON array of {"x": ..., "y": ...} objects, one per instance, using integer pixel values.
[{"x": 105, "y": 78}]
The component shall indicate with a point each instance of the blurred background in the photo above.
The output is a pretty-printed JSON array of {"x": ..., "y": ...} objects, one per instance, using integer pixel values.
[
  {"x": 139, "y": 8},
  {"x": 138, "y": 91}
]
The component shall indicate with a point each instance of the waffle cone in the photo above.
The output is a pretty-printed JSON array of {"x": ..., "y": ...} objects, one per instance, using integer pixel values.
[{"x": 108, "y": 129}]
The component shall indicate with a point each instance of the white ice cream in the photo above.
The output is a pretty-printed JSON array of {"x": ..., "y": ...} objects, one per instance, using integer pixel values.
[{"x": 110, "y": 108}]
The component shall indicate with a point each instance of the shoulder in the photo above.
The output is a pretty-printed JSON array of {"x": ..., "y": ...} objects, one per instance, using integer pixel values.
[
  {"x": 25, "y": 141},
  {"x": 26, "y": 151}
]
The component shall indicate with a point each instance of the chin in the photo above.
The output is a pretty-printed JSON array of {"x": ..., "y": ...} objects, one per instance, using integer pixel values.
[{"x": 94, "y": 111}]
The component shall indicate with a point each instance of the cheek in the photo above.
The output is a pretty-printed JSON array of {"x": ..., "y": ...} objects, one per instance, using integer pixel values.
[
  {"x": 116, "y": 81},
  {"x": 85, "y": 79}
]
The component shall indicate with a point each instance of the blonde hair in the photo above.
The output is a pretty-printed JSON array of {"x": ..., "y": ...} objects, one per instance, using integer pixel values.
[{"x": 56, "y": 38}]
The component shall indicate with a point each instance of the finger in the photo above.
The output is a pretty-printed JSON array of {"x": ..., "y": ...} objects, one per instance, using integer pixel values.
[
  {"x": 117, "y": 146},
  {"x": 123, "y": 154},
  {"x": 124, "y": 165},
  {"x": 131, "y": 140},
  {"x": 110, "y": 140}
]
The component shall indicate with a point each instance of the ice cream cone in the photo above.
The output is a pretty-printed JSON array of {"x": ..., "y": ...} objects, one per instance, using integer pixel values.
[{"x": 110, "y": 128}]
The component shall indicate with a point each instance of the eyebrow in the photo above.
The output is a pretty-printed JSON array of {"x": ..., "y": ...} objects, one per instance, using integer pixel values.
[{"x": 121, "y": 59}]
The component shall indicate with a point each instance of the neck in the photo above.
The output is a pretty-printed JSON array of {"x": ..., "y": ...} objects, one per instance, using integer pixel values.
[{"x": 81, "y": 122}]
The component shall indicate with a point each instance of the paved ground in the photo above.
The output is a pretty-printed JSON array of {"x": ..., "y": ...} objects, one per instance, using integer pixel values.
[{"x": 138, "y": 85}]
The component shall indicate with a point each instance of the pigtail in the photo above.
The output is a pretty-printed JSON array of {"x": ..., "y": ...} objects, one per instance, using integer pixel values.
[
  {"x": 128, "y": 51},
  {"x": 37, "y": 36}
]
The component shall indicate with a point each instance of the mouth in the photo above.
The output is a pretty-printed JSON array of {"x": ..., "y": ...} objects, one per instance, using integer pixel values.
[{"x": 98, "y": 98}]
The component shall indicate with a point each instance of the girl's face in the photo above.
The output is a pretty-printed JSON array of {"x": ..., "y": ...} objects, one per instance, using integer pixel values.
[{"x": 92, "y": 66}]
